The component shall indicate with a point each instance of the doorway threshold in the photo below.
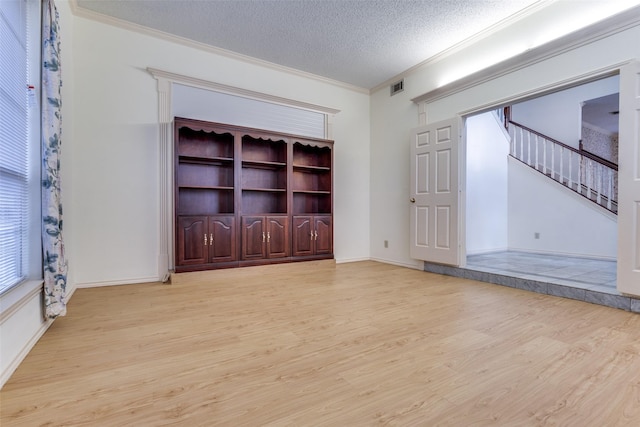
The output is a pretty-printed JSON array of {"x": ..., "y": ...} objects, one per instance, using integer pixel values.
[{"x": 583, "y": 279}]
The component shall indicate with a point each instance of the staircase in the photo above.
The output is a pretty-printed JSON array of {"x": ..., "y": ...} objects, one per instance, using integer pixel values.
[{"x": 587, "y": 174}]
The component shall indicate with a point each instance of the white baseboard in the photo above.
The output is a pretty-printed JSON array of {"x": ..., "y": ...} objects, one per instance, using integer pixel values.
[
  {"x": 545, "y": 252},
  {"x": 26, "y": 348},
  {"x": 583, "y": 256},
  {"x": 10, "y": 369},
  {"x": 345, "y": 260},
  {"x": 487, "y": 251},
  {"x": 118, "y": 282},
  {"x": 418, "y": 266}
]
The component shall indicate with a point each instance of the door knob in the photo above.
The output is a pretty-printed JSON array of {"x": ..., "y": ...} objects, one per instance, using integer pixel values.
[{"x": 412, "y": 200}]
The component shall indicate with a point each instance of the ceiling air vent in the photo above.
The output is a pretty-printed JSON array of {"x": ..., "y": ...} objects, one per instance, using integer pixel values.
[{"x": 397, "y": 87}]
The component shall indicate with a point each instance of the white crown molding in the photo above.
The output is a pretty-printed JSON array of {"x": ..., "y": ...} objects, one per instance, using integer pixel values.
[
  {"x": 126, "y": 25},
  {"x": 508, "y": 21},
  {"x": 233, "y": 90},
  {"x": 605, "y": 28}
]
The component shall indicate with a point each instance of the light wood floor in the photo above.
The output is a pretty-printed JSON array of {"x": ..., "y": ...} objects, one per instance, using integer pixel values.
[{"x": 320, "y": 344}]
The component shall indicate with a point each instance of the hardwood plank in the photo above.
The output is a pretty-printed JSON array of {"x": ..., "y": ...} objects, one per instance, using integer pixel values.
[{"x": 323, "y": 344}]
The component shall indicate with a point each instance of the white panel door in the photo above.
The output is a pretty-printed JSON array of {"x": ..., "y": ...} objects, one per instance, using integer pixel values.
[
  {"x": 435, "y": 193},
  {"x": 629, "y": 181}
]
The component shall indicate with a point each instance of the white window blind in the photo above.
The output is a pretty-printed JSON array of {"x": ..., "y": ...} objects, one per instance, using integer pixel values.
[
  {"x": 201, "y": 104},
  {"x": 14, "y": 134}
]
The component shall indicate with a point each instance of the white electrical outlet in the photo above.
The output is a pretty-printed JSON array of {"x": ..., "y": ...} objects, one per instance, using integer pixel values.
[{"x": 536, "y": 235}]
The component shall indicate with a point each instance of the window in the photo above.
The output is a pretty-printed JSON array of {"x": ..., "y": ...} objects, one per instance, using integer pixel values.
[{"x": 19, "y": 136}]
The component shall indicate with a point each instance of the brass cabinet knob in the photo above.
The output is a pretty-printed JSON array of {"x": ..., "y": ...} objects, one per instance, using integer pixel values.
[{"x": 412, "y": 200}]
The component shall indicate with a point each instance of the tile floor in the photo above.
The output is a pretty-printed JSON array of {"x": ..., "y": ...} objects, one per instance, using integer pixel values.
[
  {"x": 589, "y": 280},
  {"x": 583, "y": 273}
]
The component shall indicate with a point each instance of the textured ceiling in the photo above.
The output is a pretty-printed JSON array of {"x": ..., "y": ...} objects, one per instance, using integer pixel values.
[{"x": 360, "y": 42}]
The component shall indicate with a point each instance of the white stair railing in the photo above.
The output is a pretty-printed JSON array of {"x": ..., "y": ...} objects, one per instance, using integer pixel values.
[{"x": 584, "y": 173}]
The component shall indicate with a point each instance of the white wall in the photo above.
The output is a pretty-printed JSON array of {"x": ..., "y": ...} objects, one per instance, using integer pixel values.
[
  {"x": 391, "y": 121},
  {"x": 567, "y": 223},
  {"x": 393, "y": 117},
  {"x": 486, "y": 185},
  {"x": 559, "y": 115},
  {"x": 114, "y": 185}
]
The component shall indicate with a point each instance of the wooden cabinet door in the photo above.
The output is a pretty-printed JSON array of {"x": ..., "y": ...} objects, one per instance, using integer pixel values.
[
  {"x": 222, "y": 239},
  {"x": 323, "y": 235},
  {"x": 312, "y": 235},
  {"x": 302, "y": 236},
  {"x": 278, "y": 245},
  {"x": 253, "y": 237},
  {"x": 191, "y": 246}
]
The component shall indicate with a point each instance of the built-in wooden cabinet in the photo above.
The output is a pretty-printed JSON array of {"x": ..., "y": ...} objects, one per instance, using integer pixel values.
[
  {"x": 312, "y": 178},
  {"x": 204, "y": 172},
  {"x": 205, "y": 239},
  {"x": 277, "y": 187},
  {"x": 265, "y": 237},
  {"x": 312, "y": 235},
  {"x": 263, "y": 174}
]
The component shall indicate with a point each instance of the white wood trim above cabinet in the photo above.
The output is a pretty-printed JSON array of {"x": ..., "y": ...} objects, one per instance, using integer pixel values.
[{"x": 234, "y": 90}]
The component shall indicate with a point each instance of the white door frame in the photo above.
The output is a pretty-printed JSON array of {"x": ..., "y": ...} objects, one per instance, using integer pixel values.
[{"x": 628, "y": 277}]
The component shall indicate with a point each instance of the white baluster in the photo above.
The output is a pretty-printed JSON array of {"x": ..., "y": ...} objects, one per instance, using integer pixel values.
[
  {"x": 610, "y": 190},
  {"x": 580, "y": 170},
  {"x": 615, "y": 186},
  {"x": 553, "y": 160},
  {"x": 599, "y": 177},
  {"x": 544, "y": 154},
  {"x": 537, "y": 160},
  {"x": 512, "y": 133},
  {"x": 521, "y": 157},
  {"x": 561, "y": 165},
  {"x": 589, "y": 177},
  {"x": 570, "y": 169}
]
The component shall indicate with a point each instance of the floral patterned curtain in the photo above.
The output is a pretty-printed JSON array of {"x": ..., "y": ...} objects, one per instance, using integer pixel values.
[{"x": 54, "y": 263}]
